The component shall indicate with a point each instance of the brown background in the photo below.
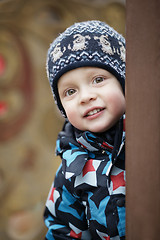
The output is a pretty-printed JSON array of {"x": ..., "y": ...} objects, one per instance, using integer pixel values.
[
  {"x": 142, "y": 121},
  {"x": 29, "y": 121}
]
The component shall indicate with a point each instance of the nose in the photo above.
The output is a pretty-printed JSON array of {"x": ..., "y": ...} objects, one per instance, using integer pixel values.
[{"x": 87, "y": 95}]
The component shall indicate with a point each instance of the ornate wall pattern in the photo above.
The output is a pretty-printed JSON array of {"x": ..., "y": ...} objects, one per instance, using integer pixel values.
[{"x": 29, "y": 121}]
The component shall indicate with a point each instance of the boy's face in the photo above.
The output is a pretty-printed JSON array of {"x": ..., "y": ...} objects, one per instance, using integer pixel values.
[{"x": 92, "y": 98}]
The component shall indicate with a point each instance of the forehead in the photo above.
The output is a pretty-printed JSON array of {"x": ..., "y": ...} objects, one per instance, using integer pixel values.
[{"x": 76, "y": 74}]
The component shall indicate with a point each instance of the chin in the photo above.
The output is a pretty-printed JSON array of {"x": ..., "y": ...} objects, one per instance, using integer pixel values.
[{"x": 101, "y": 129}]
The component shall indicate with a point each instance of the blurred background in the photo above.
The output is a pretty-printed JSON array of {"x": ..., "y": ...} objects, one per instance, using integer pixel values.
[{"x": 29, "y": 120}]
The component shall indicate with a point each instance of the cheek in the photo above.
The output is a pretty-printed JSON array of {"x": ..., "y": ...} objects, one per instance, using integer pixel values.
[
  {"x": 71, "y": 113},
  {"x": 71, "y": 116},
  {"x": 116, "y": 103},
  {"x": 120, "y": 105}
]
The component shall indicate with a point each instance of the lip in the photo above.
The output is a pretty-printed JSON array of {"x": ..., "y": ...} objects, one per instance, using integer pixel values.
[{"x": 94, "y": 115}]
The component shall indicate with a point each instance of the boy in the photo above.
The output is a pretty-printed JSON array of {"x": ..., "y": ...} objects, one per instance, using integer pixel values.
[{"x": 86, "y": 70}]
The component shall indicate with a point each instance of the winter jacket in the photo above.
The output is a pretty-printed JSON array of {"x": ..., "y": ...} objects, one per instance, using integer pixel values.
[{"x": 87, "y": 198}]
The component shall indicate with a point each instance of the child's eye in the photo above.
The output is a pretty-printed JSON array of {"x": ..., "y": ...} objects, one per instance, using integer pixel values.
[
  {"x": 98, "y": 80},
  {"x": 70, "y": 92}
]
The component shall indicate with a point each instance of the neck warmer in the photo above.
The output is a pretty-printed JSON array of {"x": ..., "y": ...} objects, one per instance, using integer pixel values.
[{"x": 76, "y": 147}]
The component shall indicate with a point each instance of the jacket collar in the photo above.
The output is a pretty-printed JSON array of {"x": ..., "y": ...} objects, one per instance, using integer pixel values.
[{"x": 76, "y": 147}]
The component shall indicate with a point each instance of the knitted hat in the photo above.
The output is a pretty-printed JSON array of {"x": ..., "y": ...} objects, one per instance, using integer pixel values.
[{"x": 90, "y": 43}]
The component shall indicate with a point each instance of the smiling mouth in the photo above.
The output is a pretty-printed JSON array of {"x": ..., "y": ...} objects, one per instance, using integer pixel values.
[{"x": 93, "y": 112}]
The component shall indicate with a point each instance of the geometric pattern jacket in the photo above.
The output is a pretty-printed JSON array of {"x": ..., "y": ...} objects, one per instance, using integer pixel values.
[{"x": 87, "y": 198}]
